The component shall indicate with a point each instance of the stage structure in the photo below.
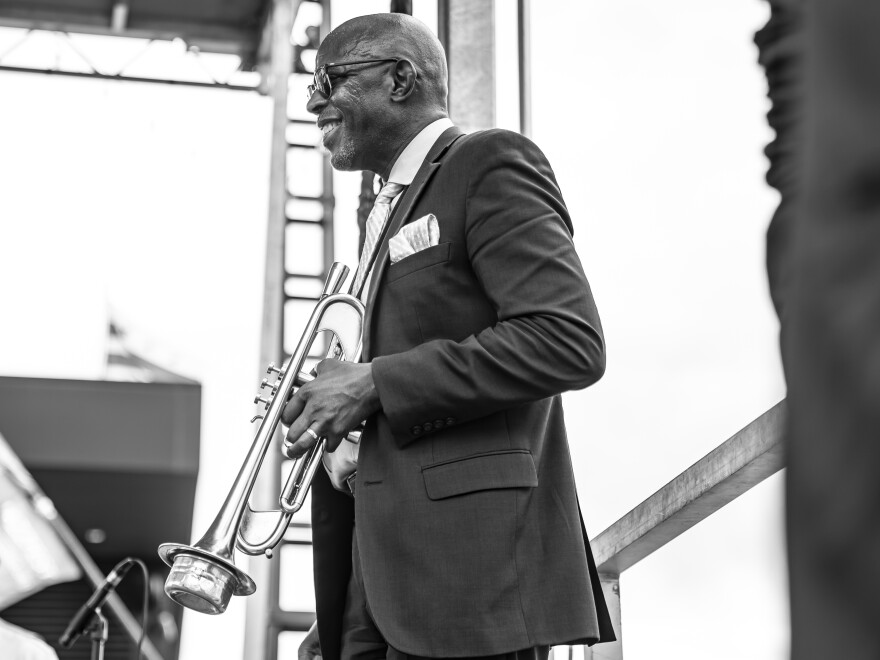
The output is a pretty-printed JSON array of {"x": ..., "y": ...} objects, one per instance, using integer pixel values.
[{"x": 104, "y": 453}]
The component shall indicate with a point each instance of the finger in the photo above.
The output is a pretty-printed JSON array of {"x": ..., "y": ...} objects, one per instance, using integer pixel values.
[
  {"x": 324, "y": 365},
  {"x": 297, "y": 449},
  {"x": 287, "y": 449},
  {"x": 296, "y": 446},
  {"x": 294, "y": 407},
  {"x": 307, "y": 418}
]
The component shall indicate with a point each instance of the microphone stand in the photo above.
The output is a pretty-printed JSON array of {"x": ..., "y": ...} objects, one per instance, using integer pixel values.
[
  {"x": 89, "y": 618},
  {"x": 98, "y": 633}
]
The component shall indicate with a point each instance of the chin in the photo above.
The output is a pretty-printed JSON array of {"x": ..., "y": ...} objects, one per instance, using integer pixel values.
[{"x": 343, "y": 158}]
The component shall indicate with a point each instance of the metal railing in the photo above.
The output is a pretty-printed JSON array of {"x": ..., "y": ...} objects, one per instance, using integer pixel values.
[{"x": 743, "y": 461}]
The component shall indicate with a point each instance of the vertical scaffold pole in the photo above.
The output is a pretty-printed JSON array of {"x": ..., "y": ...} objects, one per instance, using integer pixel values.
[
  {"x": 467, "y": 31},
  {"x": 259, "y": 642}
]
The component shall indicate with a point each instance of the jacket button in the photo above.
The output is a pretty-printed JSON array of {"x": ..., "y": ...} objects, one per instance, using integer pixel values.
[
  {"x": 450, "y": 421},
  {"x": 439, "y": 423},
  {"x": 428, "y": 426},
  {"x": 416, "y": 430}
]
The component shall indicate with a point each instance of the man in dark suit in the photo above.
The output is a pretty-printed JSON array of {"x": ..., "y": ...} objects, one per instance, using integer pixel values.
[{"x": 468, "y": 539}]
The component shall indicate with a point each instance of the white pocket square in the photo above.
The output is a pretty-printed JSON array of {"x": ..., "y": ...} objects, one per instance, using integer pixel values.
[{"x": 414, "y": 237}]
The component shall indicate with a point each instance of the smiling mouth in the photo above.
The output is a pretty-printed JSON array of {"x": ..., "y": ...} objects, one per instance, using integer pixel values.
[{"x": 327, "y": 129}]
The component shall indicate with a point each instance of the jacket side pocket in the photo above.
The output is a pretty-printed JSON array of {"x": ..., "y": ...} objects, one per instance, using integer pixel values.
[{"x": 513, "y": 468}]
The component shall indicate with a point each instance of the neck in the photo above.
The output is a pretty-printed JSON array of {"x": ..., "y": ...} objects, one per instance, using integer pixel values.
[{"x": 412, "y": 129}]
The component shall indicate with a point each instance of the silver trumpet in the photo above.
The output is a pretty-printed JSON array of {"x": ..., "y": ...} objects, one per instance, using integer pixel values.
[{"x": 204, "y": 576}]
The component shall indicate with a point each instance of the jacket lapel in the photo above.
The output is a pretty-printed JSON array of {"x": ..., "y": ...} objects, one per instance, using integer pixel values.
[{"x": 400, "y": 217}]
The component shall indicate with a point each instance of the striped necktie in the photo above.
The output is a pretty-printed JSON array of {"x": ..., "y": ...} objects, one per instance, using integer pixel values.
[{"x": 375, "y": 226}]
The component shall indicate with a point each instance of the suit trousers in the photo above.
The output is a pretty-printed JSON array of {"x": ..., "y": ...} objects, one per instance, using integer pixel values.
[{"x": 361, "y": 639}]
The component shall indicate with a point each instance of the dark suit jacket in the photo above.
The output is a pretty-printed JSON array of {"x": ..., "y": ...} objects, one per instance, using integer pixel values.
[{"x": 468, "y": 525}]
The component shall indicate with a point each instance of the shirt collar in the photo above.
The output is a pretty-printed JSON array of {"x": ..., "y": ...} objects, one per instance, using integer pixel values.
[{"x": 411, "y": 159}]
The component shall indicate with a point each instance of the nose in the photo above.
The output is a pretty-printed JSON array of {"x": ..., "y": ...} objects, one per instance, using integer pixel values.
[{"x": 316, "y": 102}]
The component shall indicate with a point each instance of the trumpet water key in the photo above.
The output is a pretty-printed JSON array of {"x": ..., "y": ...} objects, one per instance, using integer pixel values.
[{"x": 203, "y": 575}]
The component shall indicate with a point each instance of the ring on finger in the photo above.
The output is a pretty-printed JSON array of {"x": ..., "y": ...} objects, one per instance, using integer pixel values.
[{"x": 312, "y": 433}]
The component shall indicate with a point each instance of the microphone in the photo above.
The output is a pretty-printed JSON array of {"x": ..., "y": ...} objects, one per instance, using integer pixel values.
[{"x": 83, "y": 617}]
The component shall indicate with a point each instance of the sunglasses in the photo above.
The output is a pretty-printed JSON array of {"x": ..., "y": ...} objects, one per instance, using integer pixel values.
[{"x": 322, "y": 79}]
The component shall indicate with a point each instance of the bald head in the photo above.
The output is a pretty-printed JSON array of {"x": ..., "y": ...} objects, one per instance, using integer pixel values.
[
  {"x": 399, "y": 36},
  {"x": 381, "y": 79}
]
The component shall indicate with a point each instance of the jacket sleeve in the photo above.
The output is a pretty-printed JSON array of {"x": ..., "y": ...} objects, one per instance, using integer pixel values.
[{"x": 547, "y": 339}]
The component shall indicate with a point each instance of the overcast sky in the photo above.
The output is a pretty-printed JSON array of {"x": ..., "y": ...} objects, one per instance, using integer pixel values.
[{"x": 147, "y": 203}]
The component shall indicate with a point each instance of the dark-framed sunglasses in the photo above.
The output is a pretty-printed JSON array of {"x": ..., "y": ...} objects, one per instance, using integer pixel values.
[{"x": 322, "y": 79}]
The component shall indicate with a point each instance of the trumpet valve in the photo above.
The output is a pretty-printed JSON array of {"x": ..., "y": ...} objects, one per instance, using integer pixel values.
[{"x": 272, "y": 369}]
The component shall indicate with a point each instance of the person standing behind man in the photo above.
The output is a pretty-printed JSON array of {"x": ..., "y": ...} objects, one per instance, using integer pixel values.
[{"x": 468, "y": 539}]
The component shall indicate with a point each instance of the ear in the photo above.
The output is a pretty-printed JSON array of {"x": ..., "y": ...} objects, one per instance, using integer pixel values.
[{"x": 403, "y": 77}]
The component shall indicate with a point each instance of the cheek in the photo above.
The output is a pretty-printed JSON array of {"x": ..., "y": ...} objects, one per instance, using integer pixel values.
[{"x": 350, "y": 96}]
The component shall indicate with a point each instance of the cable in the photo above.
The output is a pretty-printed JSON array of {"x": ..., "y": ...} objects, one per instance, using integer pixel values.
[{"x": 146, "y": 602}]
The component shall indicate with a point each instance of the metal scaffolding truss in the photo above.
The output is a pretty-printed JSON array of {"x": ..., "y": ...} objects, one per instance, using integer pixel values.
[
  {"x": 120, "y": 58},
  {"x": 216, "y": 26},
  {"x": 214, "y": 43},
  {"x": 299, "y": 253}
]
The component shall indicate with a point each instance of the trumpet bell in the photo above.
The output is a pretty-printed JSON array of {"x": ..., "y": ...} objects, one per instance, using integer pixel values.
[{"x": 203, "y": 581}]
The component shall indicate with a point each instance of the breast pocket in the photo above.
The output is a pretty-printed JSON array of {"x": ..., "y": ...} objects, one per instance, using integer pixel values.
[{"x": 436, "y": 254}]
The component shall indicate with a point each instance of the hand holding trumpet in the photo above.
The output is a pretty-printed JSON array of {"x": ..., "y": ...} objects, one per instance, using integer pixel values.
[{"x": 340, "y": 397}]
